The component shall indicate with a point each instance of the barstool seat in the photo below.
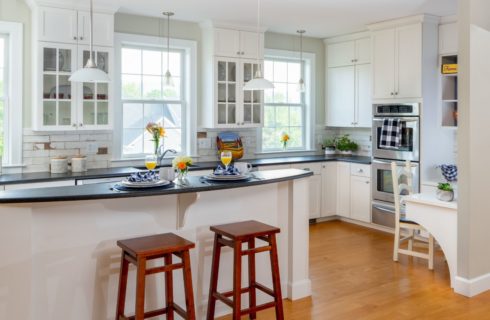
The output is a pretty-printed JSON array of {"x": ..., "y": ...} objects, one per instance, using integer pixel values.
[
  {"x": 140, "y": 250},
  {"x": 234, "y": 235}
]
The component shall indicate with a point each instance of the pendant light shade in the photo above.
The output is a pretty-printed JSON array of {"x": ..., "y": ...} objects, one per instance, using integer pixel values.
[
  {"x": 90, "y": 72},
  {"x": 300, "y": 87},
  {"x": 168, "y": 81},
  {"x": 258, "y": 82}
]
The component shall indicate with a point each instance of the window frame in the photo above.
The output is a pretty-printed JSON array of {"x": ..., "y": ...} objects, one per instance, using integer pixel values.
[
  {"x": 188, "y": 89},
  {"x": 308, "y": 98},
  {"x": 13, "y": 129}
]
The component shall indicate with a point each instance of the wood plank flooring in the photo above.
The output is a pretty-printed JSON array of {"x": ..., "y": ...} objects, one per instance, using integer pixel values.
[{"x": 354, "y": 277}]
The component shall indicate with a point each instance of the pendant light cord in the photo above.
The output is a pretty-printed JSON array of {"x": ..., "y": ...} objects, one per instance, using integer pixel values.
[
  {"x": 168, "y": 42},
  {"x": 258, "y": 73},
  {"x": 91, "y": 29}
]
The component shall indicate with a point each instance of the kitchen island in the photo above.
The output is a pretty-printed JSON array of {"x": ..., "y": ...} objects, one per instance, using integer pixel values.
[{"x": 59, "y": 253}]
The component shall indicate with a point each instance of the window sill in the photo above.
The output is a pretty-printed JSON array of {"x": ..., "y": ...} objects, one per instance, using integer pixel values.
[{"x": 286, "y": 152}]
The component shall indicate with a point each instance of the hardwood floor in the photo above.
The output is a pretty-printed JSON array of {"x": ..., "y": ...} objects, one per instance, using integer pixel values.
[{"x": 354, "y": 277}]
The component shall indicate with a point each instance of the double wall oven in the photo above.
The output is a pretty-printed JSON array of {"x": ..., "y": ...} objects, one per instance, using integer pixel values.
[{"x": 383, "y": 208}]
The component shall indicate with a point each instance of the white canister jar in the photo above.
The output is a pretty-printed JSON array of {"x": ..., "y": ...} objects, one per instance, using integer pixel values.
[
  {"x": 59, "y": 165},
  {"x": 79, "y": 164}
]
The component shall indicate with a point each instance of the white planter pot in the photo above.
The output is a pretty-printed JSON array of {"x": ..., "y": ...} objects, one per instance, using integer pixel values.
[
  {"x": 345, "y": 153},
  {"x": 445, "y": 195},
  {"x": 330, "y": 151}
]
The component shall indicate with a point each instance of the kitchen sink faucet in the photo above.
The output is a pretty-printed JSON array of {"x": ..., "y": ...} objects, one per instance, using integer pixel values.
[{"x": 161, "y": 152}]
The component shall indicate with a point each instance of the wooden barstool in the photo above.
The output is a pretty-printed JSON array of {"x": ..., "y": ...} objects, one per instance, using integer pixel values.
[
  {"x": 140, "y": 250},
  {"x": 234, "y": 235}
]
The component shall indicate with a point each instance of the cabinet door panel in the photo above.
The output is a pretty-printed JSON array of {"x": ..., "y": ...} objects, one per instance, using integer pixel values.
[
  {"x": 249, "y": 43},
  {"x": 341, "y": 54},
  {"x": 409, "y": 61},
  {"x": 227, "y": 42},
  {"x": 341, "y": 96},
  {"x": 383, "y": 48},
  {"x": 448, "y": 38},
  {"x": 58, "y": 25},
  {"x": 363, "y": 51},
  {"x": 343, "y": 189},
  {"x": 329, "y": 189},
  {"x": 360, "y": 198},
  {"x": 103, "y": 28},
  {"x": 363, "y": 95},
  {"x": 315, "y": 196}
]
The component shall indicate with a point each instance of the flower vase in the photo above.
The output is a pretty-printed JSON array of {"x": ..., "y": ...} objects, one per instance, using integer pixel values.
[
  {"x": 182, "y": 174},
  {"x": 156, "y": 143}
]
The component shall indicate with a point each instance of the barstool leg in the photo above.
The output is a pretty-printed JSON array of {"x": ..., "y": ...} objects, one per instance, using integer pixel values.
[
  {"x": 123, "y": 282},
  {"x": 251, "y": 279},
  {"x": 237, "y": 279},
  {"x": 169, "y": 290},
  {"x": 140, "y": 289},
  {"x": 213, "y": 286},
  {"x": 276, "y": 281},
  {"x": 189, "y": 293}
]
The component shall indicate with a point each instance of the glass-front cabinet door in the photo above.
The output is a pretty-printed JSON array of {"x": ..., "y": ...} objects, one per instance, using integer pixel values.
[
  {"x": 226, "y": 92},
  {"x": 57, "y": 106},
  {"x": 252, "y": 100},
  {"x": 93, "y": 105}
]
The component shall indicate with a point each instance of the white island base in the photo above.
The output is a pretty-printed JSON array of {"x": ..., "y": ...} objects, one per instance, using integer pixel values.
[{"x": 59, "y": 260}]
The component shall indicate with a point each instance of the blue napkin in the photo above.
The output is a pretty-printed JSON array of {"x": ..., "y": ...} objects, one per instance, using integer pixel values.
[
  {"x": 220, "y": 171},
  {"x": 144, "y": 176}
]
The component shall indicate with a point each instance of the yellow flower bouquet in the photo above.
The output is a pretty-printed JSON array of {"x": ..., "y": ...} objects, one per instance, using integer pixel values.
[
  {"x": 284, "y": 139},
  {"x": 157, "y": 132},
  {"x": 181, "y": 164}
]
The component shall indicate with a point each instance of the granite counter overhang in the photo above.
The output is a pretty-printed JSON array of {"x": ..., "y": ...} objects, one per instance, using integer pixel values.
[
  {"x": 124, "y": 171},
  {"x": 107, "y": 191}
]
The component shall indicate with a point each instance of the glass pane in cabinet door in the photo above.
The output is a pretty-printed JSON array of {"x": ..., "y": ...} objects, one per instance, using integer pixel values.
[
  {"x": 102, "y": 91},
  {"x": 49, "y": 56},
  {"x": 64, "y": 88},
  {"x": 231, "y": 113},
  {"x": 257, "y": 94},
  {"x": 221, "y": 113},
  {"x": 231, "y": 93},
  {"x": 88, "y": 113},
  {"x": 49, "y": 113},
  {"x": 247, "y": 72},
  {"x": 247, "y": 96},
  {"x": 103, "y": 61},
  {"x": 88, "y": 91},
  {"x": 256, "y": 113},
  {"x": 247, "y": 113},
  {"x": 221, "y": 71},
  {"x": 231, "y": 71},
  {"x": 49, "y": 86},
  {"x": 64, "y": 60},
  {"x": 86, "y": 55},
  {"x": 221, "y": 92},
  {"x": 64, "y": 113},
  {"x": 102, "y": 113}
]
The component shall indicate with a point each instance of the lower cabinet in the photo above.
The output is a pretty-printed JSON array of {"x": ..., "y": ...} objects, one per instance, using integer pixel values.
[
  {"x": 329, "y": 189},
  {"x": 315, "y": 187},
  {"x": 360, "y": 198},
  {"x": 343, "y": 189}
]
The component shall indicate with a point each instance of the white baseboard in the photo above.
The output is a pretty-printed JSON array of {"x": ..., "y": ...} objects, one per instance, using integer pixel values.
[
  {"x": 472, "y": 287},
  {"x": 301, "y": 289},
  {"x": 367, "y": 225}
]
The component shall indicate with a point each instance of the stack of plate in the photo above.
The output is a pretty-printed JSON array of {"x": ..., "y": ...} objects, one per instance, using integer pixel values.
[
  {"x": 145, "y": 184},
  {"x": 215, "y": 177}
]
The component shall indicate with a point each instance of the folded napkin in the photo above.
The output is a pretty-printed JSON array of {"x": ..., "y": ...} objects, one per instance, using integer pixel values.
[
  {"x": 144, "y": 176},
  {"x": 220, "y": 171}
]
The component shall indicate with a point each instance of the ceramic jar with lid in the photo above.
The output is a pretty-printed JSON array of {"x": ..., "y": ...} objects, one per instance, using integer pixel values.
[
  {"x": 59, "y": 165},
  {"x": 79, "y": 163}
]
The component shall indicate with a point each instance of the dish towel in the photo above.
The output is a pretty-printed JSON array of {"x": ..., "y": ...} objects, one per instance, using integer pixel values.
[{"x": 391, "y": 133}]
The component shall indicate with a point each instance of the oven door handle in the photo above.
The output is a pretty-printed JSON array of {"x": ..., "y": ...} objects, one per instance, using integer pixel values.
[
  {"x": 398, "y": 163},
  {"x": 406, "y": 119},
  {"x": 383, "y": 209}
]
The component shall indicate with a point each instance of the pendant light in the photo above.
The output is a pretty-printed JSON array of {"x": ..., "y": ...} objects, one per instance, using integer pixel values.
[
  {"x": 90, "y": 73},
  {"x": 258, "y": 82},
  {"x": 301, "y": 82},
  {"x": 168, "y": 81}
]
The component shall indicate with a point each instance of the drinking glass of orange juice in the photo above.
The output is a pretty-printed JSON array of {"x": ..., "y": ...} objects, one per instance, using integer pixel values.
[
  {"x": 226, "y": 158},
  {"x": 151, "y": 162}
]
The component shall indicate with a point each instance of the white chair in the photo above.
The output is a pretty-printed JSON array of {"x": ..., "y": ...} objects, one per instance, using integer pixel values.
[{"x": 402, "y": 185}]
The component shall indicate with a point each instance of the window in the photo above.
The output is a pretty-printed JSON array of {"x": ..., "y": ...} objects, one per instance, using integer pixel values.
[
  {"x": 286, "y": 109},
  {"x": 145, "y": 99}
]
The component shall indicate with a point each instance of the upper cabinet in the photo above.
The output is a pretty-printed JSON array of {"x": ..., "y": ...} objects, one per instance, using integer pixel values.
[
  {"x": 230, "y": 59},
  {"x": 348, "y": 81},
  {"x": 398, "y": 55},
  {"x": 72, "y": 26},
  {"x": 239, "y": 44},
  {"x": 448, "y": 38}
]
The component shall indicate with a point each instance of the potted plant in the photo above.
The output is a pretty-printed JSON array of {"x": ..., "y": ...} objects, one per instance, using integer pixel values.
[
  {"x": 345, "y": 145},
  {"x": 445, "y": 192},
  {"x": 329, "y": 146}
]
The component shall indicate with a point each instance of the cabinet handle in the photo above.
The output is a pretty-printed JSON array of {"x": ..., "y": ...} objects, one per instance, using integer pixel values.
[
  {"x": 81, "y": 124},
  {"x": 307, "y": 169},
  {"x": 360, "y": 170},
  {"x": 74, "y": 38},
  {"x": 81, "y": 38}
]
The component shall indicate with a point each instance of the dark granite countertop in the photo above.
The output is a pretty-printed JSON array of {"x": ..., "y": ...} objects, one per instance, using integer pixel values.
[
  {"x": 124, "y": 171},
  {"x": 107, "y": 191}
]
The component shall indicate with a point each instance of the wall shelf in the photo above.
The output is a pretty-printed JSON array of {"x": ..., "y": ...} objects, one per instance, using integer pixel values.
[{"x": 449, "y": 94}]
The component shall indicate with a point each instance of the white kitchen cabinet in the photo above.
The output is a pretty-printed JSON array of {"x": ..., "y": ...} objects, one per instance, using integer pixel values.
[
  {"x": 72, "y": 26},
  {"x": 341, "y": 96},
  {"x": 343, "y": 189},
  {"x": 360, "y": 198},
  {"x": 448, "y": 38},
  {"x": 315, "y": 187},
  {"x": 347, "y": 53},
  {"x": 363, "y": 104},
  {"x": 397, "y": 62},
  {"x": 38, "y": 185},
  {"x": 329, "y": 189},
  {"x": 237, "y": 43}
]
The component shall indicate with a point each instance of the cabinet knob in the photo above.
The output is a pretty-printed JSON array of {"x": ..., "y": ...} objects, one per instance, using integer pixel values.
[
  {"x": 81, "y": 38},
  {"x": 360, "y": 170},
  {"x": 238, "y": 52},
  {"x": 367, "y": 182},
  {"x": 243, "y": 53},
  {"x": 74, "y": 38},
  {"x": 391, "y": 93},
  {"x": 81, "y": 124},
  {"x": 396, "y": 93}
]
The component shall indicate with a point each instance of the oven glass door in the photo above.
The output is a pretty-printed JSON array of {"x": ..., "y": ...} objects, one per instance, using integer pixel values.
[
  {"x": 383, "y": 181},
  {"x": 409, "y": 149}
]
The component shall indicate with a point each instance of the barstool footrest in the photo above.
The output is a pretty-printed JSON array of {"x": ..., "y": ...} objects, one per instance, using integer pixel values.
[
  {"x": 221, "y": 297},
  {"x": 148, "y": 314},
  {"x": 264, "y": 289},
  {"x": 258, "y": 308},
  {"x": 230, "y": 293},
  {"x": 165, "y": 268}
]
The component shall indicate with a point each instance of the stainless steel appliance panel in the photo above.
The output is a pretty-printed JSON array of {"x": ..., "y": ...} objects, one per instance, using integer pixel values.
[
  {"x": 383, "y": 213},
  {"x": 382, "y": 187},
  {"x": 409, "y": 150}
]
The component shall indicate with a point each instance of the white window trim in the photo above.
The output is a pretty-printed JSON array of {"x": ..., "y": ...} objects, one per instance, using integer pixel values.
[
  {"x": 310, "y": 94},
  {"x": 190, "y": 77},
  {"x": 13, "y": 125}
]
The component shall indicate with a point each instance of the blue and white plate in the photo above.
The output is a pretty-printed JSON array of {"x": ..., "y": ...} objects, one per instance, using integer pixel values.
[
  {"x": 145, "y": 184},
  {"x": 238, "y": 177}
]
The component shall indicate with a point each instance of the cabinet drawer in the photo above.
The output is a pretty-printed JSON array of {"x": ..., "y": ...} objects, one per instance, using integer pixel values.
[
  {"x": 361, "y": 170},
  {"x": 315, "y": 167}
]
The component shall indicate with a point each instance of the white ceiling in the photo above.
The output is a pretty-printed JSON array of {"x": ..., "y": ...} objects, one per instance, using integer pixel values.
[{"x": 320, "y": 18}]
